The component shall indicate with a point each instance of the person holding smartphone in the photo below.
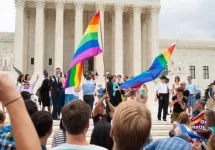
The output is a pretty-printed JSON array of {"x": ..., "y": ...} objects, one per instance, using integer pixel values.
[{"x": 179, "y": 103}]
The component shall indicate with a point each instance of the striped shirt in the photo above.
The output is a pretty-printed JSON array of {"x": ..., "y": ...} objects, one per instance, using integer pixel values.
[{"x": 60, "y": 137}]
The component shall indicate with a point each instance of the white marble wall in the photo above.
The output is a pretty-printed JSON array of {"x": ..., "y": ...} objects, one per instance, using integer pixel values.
[
  {"x": 195, "y": 53},
  {"x": 6, "y": 41}
]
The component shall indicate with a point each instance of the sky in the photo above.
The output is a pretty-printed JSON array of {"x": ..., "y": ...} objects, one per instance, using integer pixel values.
[{"x": 180, "y": 19}]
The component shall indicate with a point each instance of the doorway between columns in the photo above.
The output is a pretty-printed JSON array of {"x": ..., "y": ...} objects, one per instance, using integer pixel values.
[{"x": 88, "y": 65}]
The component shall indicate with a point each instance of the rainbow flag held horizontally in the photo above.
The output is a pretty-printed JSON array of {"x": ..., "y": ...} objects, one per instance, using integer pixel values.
[
  {"x": 153, "y": 72},
  {"x": 88, "y": 47}
]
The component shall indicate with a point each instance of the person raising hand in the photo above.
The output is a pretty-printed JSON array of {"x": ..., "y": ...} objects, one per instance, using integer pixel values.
[
  {"x": 99, "y": 114},
  {"x": 22, "y": 125}
]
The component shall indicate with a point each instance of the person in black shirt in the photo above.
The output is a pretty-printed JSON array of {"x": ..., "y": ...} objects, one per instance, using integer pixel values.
[
  {"x": 99, "y": 114},
  {"x": 186, "y": 93},
  {"x": 179, "y": 103},
  {"x": 109, "y": 86}
]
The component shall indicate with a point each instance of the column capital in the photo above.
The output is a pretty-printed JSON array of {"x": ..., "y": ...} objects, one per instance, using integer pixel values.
[
  {"x": 40, "y": 3},
  {"x": 20, "y": 3},
  {"x": 130, "y": 13},
  {"x": 137, "y": 9},
  {"x": 45, "y": 13},
  {"x": 26, "y": 12},
  {"x": 110, "y": 16},
  {"x": 79, "y": 5},
  {"x": 59, "y": 4},
  {"x": 155, "y": 10},
  {"x": 119, "y": 7},
  {"x": 126, "y": 17},
  {"x": 145, "y": 17},
  {"x": 100, "y": 6}
]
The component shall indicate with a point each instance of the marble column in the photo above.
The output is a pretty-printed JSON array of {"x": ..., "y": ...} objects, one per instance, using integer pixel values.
[
  {"x": 155, "y": 31},
  {"x": 25, "y": 51},
  {"x": 59, "y": 30},
  {"x": 112, "y": 46},
  {"x": 79, "y": 8},
  {"x": 152, "y": 34},
  {"x": 39, "y": 38},
  {"x": 19, "y": 35},
  {"x": 149, "y": 39},
  {"x": 129, "y": 57},
  {"x": 118, "y": 39},
  {"x": 99, "y": 63},
  {"x": 137, "y": 40},
  {"x": 144, "y": 43}
]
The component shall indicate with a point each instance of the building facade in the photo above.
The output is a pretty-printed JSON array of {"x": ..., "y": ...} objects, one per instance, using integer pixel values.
[
  {"x": 190, "y": 57},
  {"x": 48, "y": 32}
]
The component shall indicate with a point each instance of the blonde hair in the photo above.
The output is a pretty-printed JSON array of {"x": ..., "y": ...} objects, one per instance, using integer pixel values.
[
  {"x": 131, "y": 125},
  {"x": 183, "y": 118}
]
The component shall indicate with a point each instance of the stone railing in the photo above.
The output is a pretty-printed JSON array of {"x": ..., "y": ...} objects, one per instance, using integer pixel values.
[{"x": 126, "y": 2}]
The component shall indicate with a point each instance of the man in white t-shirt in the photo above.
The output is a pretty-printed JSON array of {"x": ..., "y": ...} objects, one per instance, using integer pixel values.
[
  {"x": 162, "y": 95},
  {"x": 76, "y": 120}
]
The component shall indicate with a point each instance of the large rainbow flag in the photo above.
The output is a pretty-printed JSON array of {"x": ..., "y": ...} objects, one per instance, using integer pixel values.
[
  {"x": 153, "y": 72},
  {"x": 88, "y": 47}
]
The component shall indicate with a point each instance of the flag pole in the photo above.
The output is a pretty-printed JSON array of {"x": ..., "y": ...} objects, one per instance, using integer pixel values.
[{"x": 102, "y": 45}]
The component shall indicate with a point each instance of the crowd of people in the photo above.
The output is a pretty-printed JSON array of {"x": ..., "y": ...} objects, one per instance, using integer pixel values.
[{"x": 121, "y": 118}]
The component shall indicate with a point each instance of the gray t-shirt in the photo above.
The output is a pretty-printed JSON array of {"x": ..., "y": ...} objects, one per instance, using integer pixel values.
[{"x": 78, "y": 147}]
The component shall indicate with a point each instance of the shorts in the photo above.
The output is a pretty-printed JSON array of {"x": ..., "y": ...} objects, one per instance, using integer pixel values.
[{"x": 191, "y": 101}]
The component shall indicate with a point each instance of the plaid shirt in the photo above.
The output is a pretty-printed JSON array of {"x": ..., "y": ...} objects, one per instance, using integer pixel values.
[
  {"x": 7, "y": 141},
  {"x": 174, "y": 143},
  {"x": 6, "y": 129}
]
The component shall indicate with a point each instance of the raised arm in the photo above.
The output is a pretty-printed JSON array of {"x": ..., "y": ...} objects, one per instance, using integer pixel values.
[
  {"x": 22, "y": 126},
  {"x": 99, "y": 103},
  {"x": 112, "y": 108},
  {"x": 33, "y": 84}
]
